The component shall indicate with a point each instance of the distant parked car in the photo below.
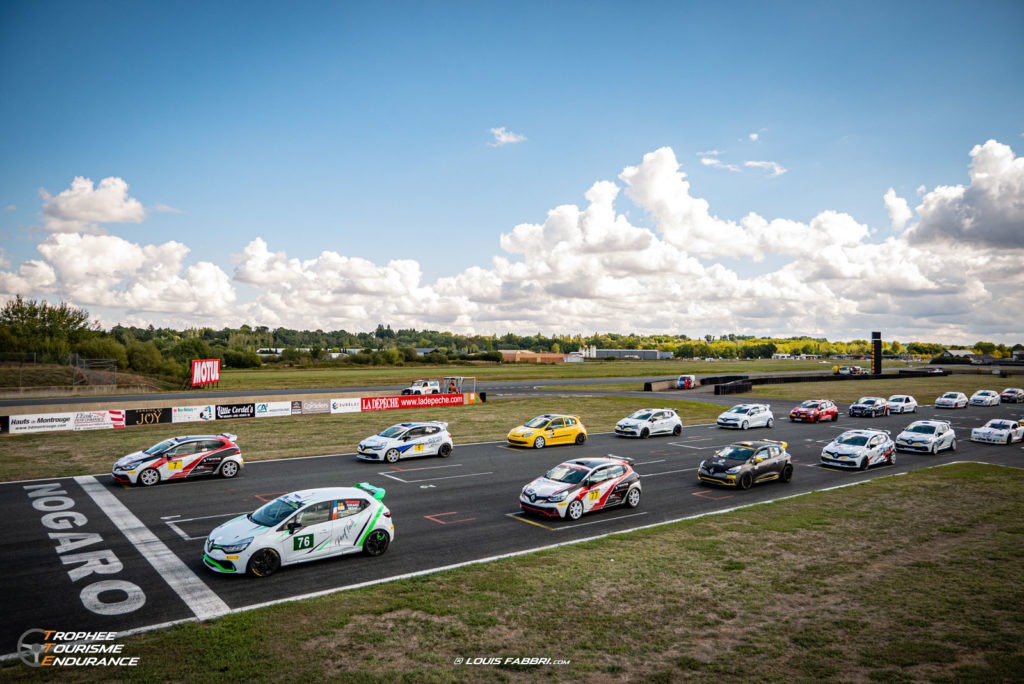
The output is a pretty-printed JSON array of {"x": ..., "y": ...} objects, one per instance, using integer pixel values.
[
  {"x": 985, "y": 398},
  {"x": 870, "y": 406},
  {"x": 902, "y": 403},
  {"x": 999, "y": 431},
  {"x": 647, "y": 422},
  {"x": 927, "y": 436},
  {"x": 1012, "y": 395},
  {"x": 953, "y": 400},
  {"x": 814, "y": 411},
  {"x": 745, "y": 416},
  {"x": 686, "y": 382},
  {"x": 859, "y": 449}
]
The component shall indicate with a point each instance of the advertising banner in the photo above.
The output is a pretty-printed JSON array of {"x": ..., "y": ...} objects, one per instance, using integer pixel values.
[
  {"x": 229, "y": 411},
  {"x": 205, "y": 372},
  {"x": 99, "y": 420},
  {"x": 42, "y": 422},
  {"x": 273, "y": 409},
  {"x": 147, "y": 416},
  {"x": 192, "y": 414},
  {"x": 316, "y": 406},
  {"x": 346, "y": 405},
  {"x": 410, "y": 401}
]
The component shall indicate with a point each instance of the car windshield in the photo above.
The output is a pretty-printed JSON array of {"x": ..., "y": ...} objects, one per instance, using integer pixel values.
[
  {"x": 394, "y": 432},
  {"x": 539, "y": 422},
  {"x": 949, "y": 395},
  {"x": 641, "y": 415},
  {"x": 809, "y": 404},
  {"x": 739, "y": 409},
  {"x": 569, "y": 474},
  {"x": 1000, "y": 424},
  {"x": 161, "y": 447},
  {"x": 853, "y": 440},
  {"x": 866, "y": 400},
  {"x": 985, "y": 393},
  {"x": 275, "y": 511},
  {"x": 736, "y": 453},
  {"x": 923, "y": 429}
]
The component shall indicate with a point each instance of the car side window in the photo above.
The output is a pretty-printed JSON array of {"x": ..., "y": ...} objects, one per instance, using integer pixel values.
[
  {"x": 556, "y": 423},
  {"x": 616, "y": 471},
  {"x": 184, "y": 449},
  {"x": 598, "y": 476},
  {"x": 315, "y": 514},
  {"x": 431, "y": 429},
  {"x": 347, "y": 507}
]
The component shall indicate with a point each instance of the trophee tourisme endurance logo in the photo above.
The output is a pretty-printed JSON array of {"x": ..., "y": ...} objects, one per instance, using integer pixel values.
[{"x": 55, "y": 648}]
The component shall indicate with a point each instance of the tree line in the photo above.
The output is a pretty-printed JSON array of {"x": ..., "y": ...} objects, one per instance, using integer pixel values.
[{"x": 38, "y": 331}]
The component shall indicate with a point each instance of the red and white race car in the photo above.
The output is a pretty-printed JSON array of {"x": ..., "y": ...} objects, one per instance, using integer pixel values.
[
  {"x": 582, "y": 485},
  {"x": 814, "y": 411},
  {"x": 178, "y": 458}
]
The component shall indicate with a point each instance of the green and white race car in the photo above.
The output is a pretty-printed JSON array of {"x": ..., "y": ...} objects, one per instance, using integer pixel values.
[{"x": 302, "y": 526}]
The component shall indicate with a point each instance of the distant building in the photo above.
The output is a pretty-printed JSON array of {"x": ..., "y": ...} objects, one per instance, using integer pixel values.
[
  {"x": 593, "y": 352},
  {"x": 524, "y": 356}
]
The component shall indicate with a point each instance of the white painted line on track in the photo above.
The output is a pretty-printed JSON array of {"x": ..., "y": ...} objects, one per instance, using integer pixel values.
[
  {"x": 432, "y": 479},
  {"x": 173, "y": 524},
  {"x": 200, "y": 599}
]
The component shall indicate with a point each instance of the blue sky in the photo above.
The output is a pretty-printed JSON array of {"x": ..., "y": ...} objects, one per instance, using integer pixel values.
[{"x": 776, "y": 168}]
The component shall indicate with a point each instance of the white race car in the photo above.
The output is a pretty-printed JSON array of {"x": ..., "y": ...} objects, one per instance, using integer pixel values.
[
  {"x": 928, "y": 436},
  {"x": 902, "y": 403},
  {"x": 302, "y": 526},
  {"x": 953, "y": 400},
  {"x": 180, "y": 458},
  {"x": 745, "y": 416},
  {"x": 859, "y": 449},
  {"x": 985, "y": 398},
  {"x": 998, "y": 431},
  {"x": 407, "y": 440},
  {"x": 582, "y": 485},
  {"x": 647, "y": 422},
  {"x": 1012, "y": 395}
]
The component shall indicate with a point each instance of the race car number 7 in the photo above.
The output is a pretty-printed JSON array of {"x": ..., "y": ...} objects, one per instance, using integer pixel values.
[{"x": 595, "y": 494}]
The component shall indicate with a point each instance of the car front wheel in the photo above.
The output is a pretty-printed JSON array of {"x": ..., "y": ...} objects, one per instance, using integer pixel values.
[
  {"x": 633, "y": 498},
  {"x": 745, "y": 425},
  {"x": 149, "y": 477},
  {"x": 645, "y": 433},
  {"x": 264, "y": 563},
  {"x": 746, "y": 479},
  {"x": 391, "y": 456},
  {"x": 539, "y": 443},
  {"x": 575, "y": 510},
  {"x": 229, "y": 469}
]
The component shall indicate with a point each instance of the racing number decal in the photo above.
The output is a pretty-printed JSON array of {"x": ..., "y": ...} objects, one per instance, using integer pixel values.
[
  {"x": 418, "y": 447},
  {"x": 594, "y": 495},
  {"x": 302, "y": 541},
  {"x": 174, "y": 465}
]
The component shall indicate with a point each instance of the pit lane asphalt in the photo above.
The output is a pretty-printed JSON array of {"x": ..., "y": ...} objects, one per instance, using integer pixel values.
[{"x": 446, "y": 511}]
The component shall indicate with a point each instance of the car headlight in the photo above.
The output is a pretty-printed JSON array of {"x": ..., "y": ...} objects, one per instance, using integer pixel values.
[
  {"x": 557, "y": 497},
  {"x": 132, "y": 466},
  {"x": 734, "y": 470},
  {"x": 528, "y": 433},
  {"x": 237, "y": 547}
]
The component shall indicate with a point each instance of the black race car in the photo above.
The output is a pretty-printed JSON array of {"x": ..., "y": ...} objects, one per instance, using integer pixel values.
[{"x": 743, "y": 464}]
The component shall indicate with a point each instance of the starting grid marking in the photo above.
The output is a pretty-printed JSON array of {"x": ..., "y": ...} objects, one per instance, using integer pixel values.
[
  {"x": 430, "y": 479},
  {"x": 572, "y": 526},
  {"x": 173, "y": 523}
]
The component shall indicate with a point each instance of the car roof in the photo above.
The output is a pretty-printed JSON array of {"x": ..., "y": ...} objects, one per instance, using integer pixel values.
[
  {"x": 929, "y": 422},
  {"x": 326, "y": 493},
  {"x": 758, "y": 443},
  {"x": 747, "y": 405},
  {"x": 654, "y": 409},
  {"x": 595, "y": 461},
  {"x": 558, "y": 415},
  {"x": 866, "y": 432},
  {"x": 421, "y": 423},
  {"x": 191, "y": 438}
]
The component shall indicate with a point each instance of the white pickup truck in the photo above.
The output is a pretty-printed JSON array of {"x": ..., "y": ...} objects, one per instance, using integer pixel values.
[{"x": 424, "y": 386}]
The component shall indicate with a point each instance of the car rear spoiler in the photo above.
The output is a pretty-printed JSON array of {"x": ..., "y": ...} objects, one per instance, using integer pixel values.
[
  {"x": 627, "y": 459},
  {"x": 376, "y": 492}
]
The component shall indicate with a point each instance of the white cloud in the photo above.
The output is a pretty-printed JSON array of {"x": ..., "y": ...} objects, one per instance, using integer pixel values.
[
  {"x": 774, "y": 168},
  {"x": 753, "y": 137},
  {"x": 987, "y": 212},
  {"x": 899, "y": 211},
  {"x": 717, "y": 163},
  {"x": 82, "y": 207},
  {"x": 502, "y": 136},
  {"x": 591, "y": 268}
]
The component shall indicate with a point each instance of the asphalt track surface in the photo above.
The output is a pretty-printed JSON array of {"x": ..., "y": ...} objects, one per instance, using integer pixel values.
[{"x": 131, "y": 558}]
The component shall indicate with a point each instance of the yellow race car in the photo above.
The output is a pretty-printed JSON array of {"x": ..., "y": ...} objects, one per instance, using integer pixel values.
[{"x": 550, "y": 428}]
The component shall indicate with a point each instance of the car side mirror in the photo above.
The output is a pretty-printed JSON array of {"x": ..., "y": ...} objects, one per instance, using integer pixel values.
[
  {"x": 293, "y": 526},
  {"x": 758, "y": 459}
]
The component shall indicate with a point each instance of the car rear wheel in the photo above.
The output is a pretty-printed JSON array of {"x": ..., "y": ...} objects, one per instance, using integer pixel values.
[
  {"x": 746, "y": 479},
  {"x": 391, "y": 456},
  {"x": 263, "y": 563},
  {"x": 787, "y": 473},
  {"x": 445, "y": 451},
  {"x": 376, "y": 543},
  {"x": 835, "y": 416},
  {"x": 645, "y": 433},
  {"x": 581, "y": 438},
  {"x": 539, "y": 443},
  {"x": 149, "y": 477},
  {"x": 228, "y": 469},
  {"x": 677, "y": 430},
  {"x": 575, "y": 510},
  {"x": 771, "y": 422}
]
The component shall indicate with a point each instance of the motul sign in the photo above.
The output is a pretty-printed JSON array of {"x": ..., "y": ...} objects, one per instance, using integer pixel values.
[{"x": 205, "y": 372}]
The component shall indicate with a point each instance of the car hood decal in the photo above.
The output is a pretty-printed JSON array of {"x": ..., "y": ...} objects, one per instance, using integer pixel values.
[
  {"x": 543, "y": 487},
  {"x": 233, "y": 530},
  {"x": 133, "y": 457}
]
